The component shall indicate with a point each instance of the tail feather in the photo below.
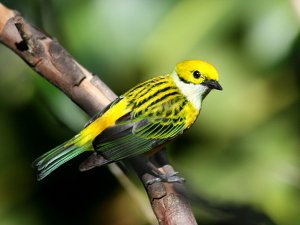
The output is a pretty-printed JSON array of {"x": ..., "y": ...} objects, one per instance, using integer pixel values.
[{"x": 53, "y": 159}]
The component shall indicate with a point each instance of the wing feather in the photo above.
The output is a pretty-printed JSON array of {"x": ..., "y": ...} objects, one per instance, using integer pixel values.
[
  {"x": 122, "y": 141},
  {"x": 143, "y": 129}
]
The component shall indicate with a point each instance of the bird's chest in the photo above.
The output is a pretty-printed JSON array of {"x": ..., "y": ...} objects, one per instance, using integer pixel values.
[{"x": 191, "y": 113}]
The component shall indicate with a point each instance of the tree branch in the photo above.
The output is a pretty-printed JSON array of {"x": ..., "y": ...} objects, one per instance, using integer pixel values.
[{"x": 47, "y": 57}]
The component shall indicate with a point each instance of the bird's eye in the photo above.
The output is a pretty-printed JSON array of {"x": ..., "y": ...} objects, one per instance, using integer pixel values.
[{"x": 196, "y": 74}]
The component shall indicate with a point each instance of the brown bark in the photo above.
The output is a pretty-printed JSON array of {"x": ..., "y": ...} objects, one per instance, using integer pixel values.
[{"x": 47, "y": 57}]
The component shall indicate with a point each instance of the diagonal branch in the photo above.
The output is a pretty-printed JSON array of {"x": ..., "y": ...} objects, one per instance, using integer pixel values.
[{"x": 47, "y": 57}]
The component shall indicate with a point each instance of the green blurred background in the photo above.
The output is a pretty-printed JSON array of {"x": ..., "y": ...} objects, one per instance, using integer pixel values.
[{"x": 244, "y": 148}]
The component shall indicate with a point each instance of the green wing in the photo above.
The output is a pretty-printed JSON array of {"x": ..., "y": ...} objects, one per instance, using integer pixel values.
[{"x": 137, "y": 133}]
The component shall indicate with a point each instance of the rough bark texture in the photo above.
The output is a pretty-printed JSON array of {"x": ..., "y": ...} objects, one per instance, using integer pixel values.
[{"x": 47, "y": 57}]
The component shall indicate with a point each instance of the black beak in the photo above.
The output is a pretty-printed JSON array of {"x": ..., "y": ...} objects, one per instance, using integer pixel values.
[{"x": 212, "y": 84}]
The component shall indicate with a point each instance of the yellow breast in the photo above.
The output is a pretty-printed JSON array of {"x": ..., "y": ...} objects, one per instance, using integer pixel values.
[{"x": 191, "y": 114}]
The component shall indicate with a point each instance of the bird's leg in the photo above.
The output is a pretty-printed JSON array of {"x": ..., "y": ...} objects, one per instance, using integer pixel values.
[
  {"x": 157, "y": 166},
  {"x": 163, "y": 177},
  {"x": 159, "y": 161}
]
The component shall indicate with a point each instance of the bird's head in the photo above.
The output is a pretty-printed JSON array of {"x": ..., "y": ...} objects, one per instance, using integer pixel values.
[
  {"x": 198, "y": 72},
  {"x": 195, "y": 79}
]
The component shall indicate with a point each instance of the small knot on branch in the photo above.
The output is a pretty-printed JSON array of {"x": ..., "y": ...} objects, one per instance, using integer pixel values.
[{"x": 26, "y": 44}]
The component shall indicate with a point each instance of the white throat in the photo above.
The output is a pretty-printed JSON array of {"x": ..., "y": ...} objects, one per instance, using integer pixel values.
[{"x": 195, "y": 93}]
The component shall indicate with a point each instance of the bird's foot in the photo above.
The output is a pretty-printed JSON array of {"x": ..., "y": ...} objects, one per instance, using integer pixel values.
[{"x": 172, "y": 178}]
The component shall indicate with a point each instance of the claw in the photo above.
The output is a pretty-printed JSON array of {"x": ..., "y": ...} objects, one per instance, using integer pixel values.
[
  {"x": 172, "y": 178},
  {"x": 174, "y": 174},
  {"x": 175, "y": 179},
  {"x": 154, "y": 180}
]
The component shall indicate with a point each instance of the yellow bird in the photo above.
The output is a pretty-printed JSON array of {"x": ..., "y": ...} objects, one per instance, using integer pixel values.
[{"x": 144, "y": 118}]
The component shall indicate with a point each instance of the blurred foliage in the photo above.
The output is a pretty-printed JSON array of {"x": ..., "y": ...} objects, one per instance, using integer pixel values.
[{"x": 244, "y": 147}]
